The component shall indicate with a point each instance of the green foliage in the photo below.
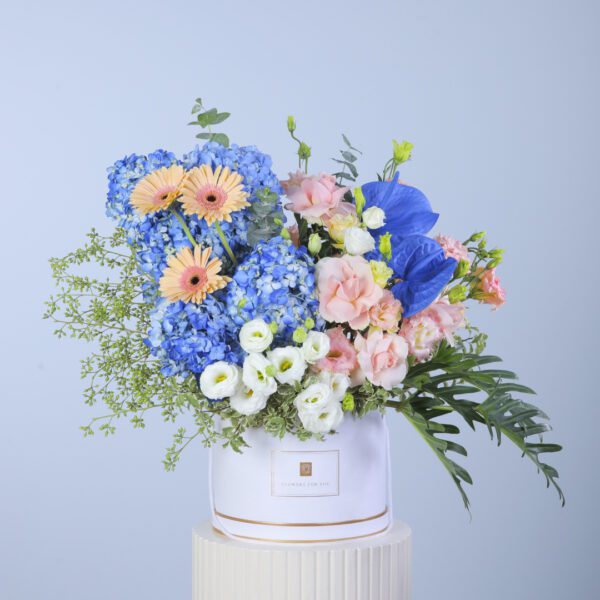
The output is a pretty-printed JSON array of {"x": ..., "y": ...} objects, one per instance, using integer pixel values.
[
  {"x": 347, "y": 160},
  {"x": 265, "y": 217},
  {"x": 206, "y": 119},
  {"x": 458, "y": 381}
]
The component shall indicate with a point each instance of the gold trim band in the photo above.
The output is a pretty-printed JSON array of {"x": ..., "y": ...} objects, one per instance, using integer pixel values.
[
  {"x": 344, "y": 539},
  {"x": 333, "y": 523}
]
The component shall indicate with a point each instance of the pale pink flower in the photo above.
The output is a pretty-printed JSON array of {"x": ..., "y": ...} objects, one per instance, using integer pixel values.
[
  {"x": 449, "y": 317},
  {"x": 339, "y": 219},
  {"x": 347, "y": 290},
  {"x": 312, "y": 196},
  {"x": 386, "y": 313},
  {"x": 341, "y": 357},
  {"x": 382, "y": 358},
  {"x": 422, "y": 334},
  {"x": 453, "y": 248},
  {"x": 489, "y": 289}
]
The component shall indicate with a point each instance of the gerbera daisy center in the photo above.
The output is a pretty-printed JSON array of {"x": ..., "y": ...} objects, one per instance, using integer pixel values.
[{"x": 211, "y": 197}]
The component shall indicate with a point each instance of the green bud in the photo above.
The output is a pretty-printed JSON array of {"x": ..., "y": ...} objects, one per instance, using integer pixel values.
[
  {"x": 273, "y": 327},
  {"x": 482, "y": 243},
  {"x": 304, "y": 151},
  {"x": 462, "y": 268},
  {"x": 381, "y": 272},
  {"x": 299, "y": 335},
  {"x": 457, "y": 294},
  {"x": 309, "y": 323},
  {"x": 402, "y": 151},
  {"x": 285, "y": 234},
  {"x": 291, "y": 124},
  {"x": 271, "y": 371},
  {"x": 359, "y": 200},
  {"x": 385, "y": 246},
  {"x": 348, "y": 402},
  {"x": 476, "y": 236},
  {"x": 496, "y": 253},
  {"x": 314, "y": 244},
  {"x": 493, "y": 263}
]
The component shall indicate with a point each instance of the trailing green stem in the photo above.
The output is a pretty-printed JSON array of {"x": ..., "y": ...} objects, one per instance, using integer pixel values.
[{"x": 225, "y": 243}]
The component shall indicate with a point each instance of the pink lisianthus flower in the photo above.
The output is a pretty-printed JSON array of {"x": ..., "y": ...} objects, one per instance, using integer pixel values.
[
  {"x": 449, "y": 317},
  {"x": 341, "y": 357},
  {"x": 453, "y": 248},
  {"x": 425, "y": 330},
  {"x": 346, "y": 290},
  {"x": 386, "y": 313},
  {"x": 489, "y": 290},
  {"x": 422, "y": 334},
  {"x": 313, "y": 196},
  {"x": 382, "y": 358}
]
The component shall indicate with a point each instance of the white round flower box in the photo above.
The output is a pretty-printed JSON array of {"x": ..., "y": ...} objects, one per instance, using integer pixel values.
[{"x": 289, "y": 491}]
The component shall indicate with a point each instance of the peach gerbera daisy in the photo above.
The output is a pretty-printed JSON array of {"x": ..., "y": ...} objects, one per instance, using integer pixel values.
[
  {"x": 157, "y": 190},
  {"x": 191, "y": 276},
  {"x": 213, "y": 195}
]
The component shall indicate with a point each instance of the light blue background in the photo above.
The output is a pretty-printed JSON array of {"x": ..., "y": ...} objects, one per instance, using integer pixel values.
[{"x": 501, "y": 101}]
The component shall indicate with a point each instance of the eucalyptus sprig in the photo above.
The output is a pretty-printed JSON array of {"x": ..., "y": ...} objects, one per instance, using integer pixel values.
[
  {"x": 206, "y": 119},
  {"x": 347, "y": 161}
]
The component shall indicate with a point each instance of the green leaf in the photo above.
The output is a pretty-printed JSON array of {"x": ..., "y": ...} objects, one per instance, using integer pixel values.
[
  {"x": 348, "y": 156},
  {"x": 205, "y": 136},
  {"x": 220, "y": 138},
  {"x": 206, "y": 118},
  {"x": 220, "y": 117}
]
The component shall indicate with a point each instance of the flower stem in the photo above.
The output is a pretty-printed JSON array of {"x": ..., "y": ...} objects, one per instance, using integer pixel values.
[
  {"x": 225, "y": 244},
  {"x": 186, "y": 229}
]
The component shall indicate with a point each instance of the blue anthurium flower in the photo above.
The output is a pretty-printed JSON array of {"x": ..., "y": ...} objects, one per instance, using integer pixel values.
[
  {"x": 407, "y": 210},
  {"x": 423, "y": 270}
]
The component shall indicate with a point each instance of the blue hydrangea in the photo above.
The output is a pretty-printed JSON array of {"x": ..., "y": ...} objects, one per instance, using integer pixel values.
[
  {"x": 187, "y": 337},
  {"x": 122, "y": 179},
  {"x": 277, "y": 283}
]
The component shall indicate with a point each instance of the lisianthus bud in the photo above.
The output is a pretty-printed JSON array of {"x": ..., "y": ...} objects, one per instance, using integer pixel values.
[
  {"x": 462, "y": 268},
  {"x": 457, "y": 294},
  {"x": 496, "y": 253},
  {"x": 402, "y": 151},
  {"x": 304, "y": 151},
  {"x": 291, "y": 124},
  {"x": 476, "y": 236},
  {"x": 381, "y": 272},
  {"x": 493, "y": 263},
  {"x": 374, "y": 217},
  {"x": 385, "y": 245},
  {"x": 314, "y": 244},
  {"x": 273, "y": 327},
  {"x": 309, "y": 323},
  {"x": 285, "y": 234},
  {"x": 359, "y": 200},
  {"x": 348, "y": 402},
  {"x": 299, "y": 335},
  {"x": 357, "y": 241}
]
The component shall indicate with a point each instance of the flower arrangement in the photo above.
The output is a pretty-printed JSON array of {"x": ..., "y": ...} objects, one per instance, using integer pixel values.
[{"x": 233, "y": 299}]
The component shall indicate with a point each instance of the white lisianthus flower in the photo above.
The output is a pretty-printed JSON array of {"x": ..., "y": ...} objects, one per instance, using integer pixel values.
[
  {"x": 255, "y": 336},
  {"x": 257, "y": 374},
  {"x": 315, "y": 347},
  {"x": 324, "y": 420},
  {"x": 247, "y": 401},
  {"x": 314, "y": 398},
  {"x": 289, "y": 364},
  {"x": 357, "y": 241},
  {"x": 374, "y": 217},
  {"x": 338, "y": 382},
  {"x": 220, "y": 380}
]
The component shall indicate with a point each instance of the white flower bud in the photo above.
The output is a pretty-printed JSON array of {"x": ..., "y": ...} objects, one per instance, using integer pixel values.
[
  {"x": 289, "y": 364},
  {"x": 314, "y": 244},
  {"x": 358, "y": 241},
  {"x": 374, "y": 217},
  {"x": 247, "y": 401},
  {"x": 220, "y": 380},
  {"x": 256, "y": 374},
  {"x": 255, "y": 336},
  {"x": 315, "y": 347}
]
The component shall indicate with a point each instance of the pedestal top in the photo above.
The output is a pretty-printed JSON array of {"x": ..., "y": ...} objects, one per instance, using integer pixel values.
[{"x": 399, "y": 533}]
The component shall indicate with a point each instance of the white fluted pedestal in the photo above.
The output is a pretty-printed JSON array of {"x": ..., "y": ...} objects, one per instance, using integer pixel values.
[{"x": 376, "y": 568}]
